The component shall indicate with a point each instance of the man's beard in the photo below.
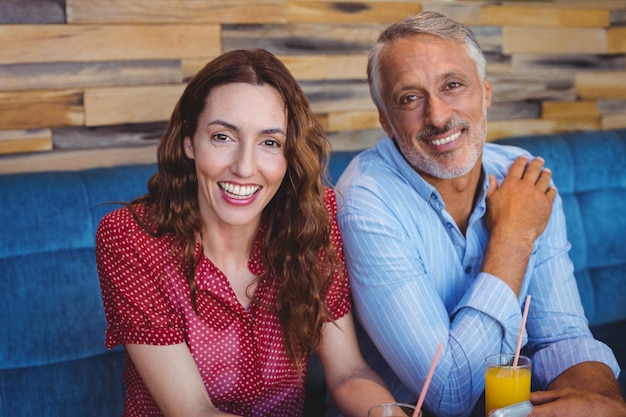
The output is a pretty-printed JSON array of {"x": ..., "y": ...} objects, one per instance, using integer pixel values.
[{"x": 444, "y": 165}]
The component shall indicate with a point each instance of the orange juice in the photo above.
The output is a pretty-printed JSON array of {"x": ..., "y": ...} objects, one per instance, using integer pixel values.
[{"x": 505, "y": 385}]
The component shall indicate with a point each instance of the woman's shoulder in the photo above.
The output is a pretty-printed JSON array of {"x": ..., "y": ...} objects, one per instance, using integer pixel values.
[{"x": 123, "y": 221}]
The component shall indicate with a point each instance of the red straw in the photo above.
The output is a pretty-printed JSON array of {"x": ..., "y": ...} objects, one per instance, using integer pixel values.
[
  {"x": 521, "y": 332},
  {"x": 429, "y": 377}
]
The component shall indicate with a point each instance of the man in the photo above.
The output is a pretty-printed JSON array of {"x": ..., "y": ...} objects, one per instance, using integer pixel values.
[{"x": 445, "y": 235}]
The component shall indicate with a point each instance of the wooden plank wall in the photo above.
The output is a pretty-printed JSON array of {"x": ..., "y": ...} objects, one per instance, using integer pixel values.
[{"x": 91, "y": 82}]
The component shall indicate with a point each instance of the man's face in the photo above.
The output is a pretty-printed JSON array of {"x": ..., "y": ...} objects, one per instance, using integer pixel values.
[{"x": 435, "y": 105}]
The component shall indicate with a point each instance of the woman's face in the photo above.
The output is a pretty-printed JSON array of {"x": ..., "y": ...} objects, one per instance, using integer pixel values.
[{"x": 238, "y": 148}]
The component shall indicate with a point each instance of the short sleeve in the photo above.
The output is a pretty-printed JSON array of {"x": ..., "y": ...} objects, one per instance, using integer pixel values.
[
  {"x": 338, "y": 299},
  {"x": 132, "y": 271}
]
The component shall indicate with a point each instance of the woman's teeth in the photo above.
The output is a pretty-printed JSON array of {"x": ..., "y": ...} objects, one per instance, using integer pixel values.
[
  {"x": 239, "y": 191},
  {"x": 447, "y": 139}
]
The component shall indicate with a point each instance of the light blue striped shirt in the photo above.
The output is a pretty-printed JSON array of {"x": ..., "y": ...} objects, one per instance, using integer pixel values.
[{"x": 417, "y": 281}]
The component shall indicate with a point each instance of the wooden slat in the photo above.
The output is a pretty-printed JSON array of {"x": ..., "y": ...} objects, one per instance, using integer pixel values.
[
  {"x": 334, "y": 96},
  {"x": 353, "y": 120},
  {"x": 140, "y": 104},
  {"x": 614, "y": 121},
  {"x": 522, "y": 63},
  {"x": 80, "y": 137},
  {"x": 24, "y": 11},
  {"x": 506, "y": 128},
  {"x": 303, "y": 39},
  {"x": 22, "y": 141},
  {"x": 355, "y": 139},
  {"x": 40, "y": 109},
  {"x": 309, "y": 67},
  {"x": 572, "y": 111},
  {"x": 467, "y": 13},
  {"x": 327, "y": 67},
  {"x": 72, "y": 43},
  {"x": 617, "y": 40},
  {"x": 520, "y": 87},
  {"x": 58, "y": 75},
  {"x": 340, "y": 12},
  {"x": 176, "y": 11},
  {"x": 544, "y": 15},
  {"x": 77, "y": 160},
  {"x": 548, "y": 40},
  {"x": 601, "y": 85}
]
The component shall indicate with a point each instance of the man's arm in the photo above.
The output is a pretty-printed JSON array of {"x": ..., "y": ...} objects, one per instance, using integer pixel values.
[{"x": 584, "y": 390}]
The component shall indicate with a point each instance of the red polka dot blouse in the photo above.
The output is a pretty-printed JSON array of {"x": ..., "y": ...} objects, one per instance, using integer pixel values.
[{"x": 239, "y": 352}]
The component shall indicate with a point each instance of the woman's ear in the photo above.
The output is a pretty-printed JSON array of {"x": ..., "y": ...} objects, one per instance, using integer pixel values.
[{"x": 188, "y": 144}]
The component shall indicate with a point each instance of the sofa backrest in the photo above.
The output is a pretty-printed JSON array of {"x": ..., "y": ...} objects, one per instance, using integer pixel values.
[
  {"x": 52, "y": 356},
  {"x": 589, "y": 170}
]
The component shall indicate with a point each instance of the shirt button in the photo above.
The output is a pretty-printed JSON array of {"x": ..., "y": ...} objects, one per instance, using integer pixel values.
[{"x": 468, "y": 269}]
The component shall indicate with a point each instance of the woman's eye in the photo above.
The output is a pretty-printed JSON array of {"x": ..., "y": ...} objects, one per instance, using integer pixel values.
[
  {"x": 220, "y": 137},
  {"x": 272, "y": 143}
]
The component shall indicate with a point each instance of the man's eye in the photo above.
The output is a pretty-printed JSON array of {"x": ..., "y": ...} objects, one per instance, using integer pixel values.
[
  {"x": 453, "y": 85},
  {"x": 411, "y": 98}
]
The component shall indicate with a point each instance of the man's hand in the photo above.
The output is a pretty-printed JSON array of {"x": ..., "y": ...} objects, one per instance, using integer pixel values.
[
  {"x": 588, "y": 389},
  {"x": 521, "y": 206},
  {"x": 518, "y": 212}
]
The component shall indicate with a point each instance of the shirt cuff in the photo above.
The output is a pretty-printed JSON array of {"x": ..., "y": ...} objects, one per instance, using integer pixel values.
[{"x": 551, "y": 361}]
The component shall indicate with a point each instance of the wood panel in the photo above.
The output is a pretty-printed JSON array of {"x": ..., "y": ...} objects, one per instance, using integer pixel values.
[
  {"x": 302, "y": 39},
  {"x": 22, "y": 141},
  {"x": 568, "y": 110},
  {"x": 548, "y": 40},
  {"x": 556, "y": 63},
  {"x": 520, "y": 87},
  {"x": 544, "y": 15},
  {"x": 138, "y": 104},
  {"x": 84, "y": 74},
  {"x": 40, "y": 109},
  {"x": 341, "y": 12},
  {"x": 596, "y": 85},
  {"x": 617, "y": 40},
  {"x": 176, "y": 11},
  {"x": 327, "y": 67},
  {"x": 28, "y": 11},
  {"x": 72, "y": 43},
  {"x": 614, "y": 121},
  {"x": 506, "y": 128},
  {"x": 77, "y": 160}
]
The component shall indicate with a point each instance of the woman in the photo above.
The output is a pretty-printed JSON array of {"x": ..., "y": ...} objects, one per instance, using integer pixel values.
[{"x": 228, "y": 273}]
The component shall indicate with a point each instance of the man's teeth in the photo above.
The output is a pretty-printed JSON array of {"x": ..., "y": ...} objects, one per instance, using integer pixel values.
[
  {"x": 239, "y": 191},
  {"x": 445, "y": 140}
]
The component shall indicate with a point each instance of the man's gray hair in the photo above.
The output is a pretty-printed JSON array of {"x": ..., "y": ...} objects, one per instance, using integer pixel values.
[{"x": 424, "y": 23}]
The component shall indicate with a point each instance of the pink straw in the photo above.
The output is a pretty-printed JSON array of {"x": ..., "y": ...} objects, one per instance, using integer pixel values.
[
  {"x": 521, "y": 332},
  {"x": 429, "y": 377}
]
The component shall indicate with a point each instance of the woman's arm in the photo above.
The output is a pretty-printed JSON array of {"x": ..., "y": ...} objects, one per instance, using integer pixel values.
[
  {"x": 173, "y": 379},
  {"x": 354, "y": 386}
]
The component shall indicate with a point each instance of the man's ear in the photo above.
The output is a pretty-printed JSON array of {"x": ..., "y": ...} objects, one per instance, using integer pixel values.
[
  {"x": 488, "y": 91},
  {"x": 382, "y": 119},
  {"x": 188, "y": 145}
]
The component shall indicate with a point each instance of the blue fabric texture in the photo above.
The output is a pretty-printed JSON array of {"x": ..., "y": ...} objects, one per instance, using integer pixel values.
[{"x": 53, "y": 361}]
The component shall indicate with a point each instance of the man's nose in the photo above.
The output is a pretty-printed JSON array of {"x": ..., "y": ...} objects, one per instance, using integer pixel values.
[{"x": 438, "y": 112}]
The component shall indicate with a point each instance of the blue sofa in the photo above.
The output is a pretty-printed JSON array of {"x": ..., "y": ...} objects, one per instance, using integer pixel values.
[{"x": 52, "y": 356}]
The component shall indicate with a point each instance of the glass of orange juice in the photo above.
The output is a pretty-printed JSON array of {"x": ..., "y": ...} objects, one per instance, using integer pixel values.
[
  {"x": 392, "y": 410},
  {"x": 505, "y": 384}
]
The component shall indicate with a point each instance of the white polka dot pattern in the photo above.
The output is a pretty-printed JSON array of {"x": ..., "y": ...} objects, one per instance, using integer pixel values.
[{"x": 239, "y": 352}]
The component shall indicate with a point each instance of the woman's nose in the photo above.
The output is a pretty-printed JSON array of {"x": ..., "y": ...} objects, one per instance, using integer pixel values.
[{"x": 244, "y": 163}]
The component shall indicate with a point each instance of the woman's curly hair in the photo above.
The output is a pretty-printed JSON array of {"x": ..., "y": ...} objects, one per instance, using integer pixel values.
[{"x": 297, "y": 247}]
